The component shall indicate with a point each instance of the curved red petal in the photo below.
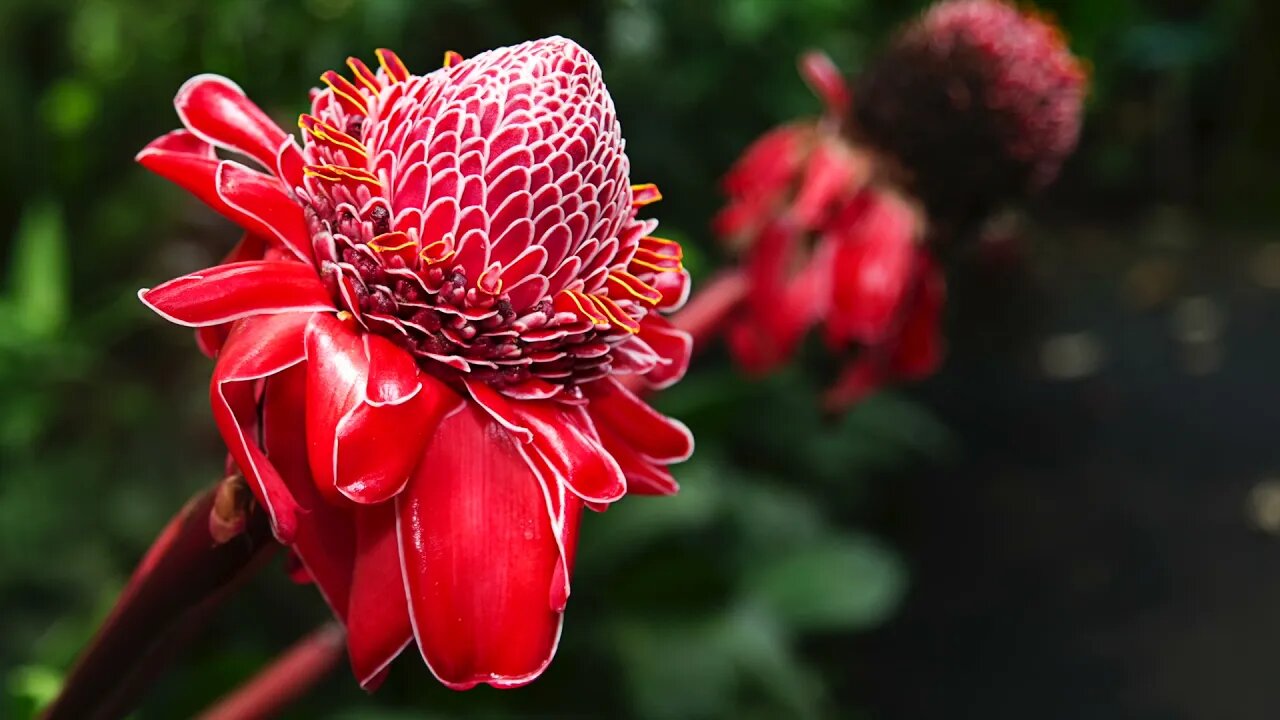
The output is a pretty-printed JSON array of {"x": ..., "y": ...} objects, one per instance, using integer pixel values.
[
  {"x": 325, "y": 542},
  {"x": 264, "y": 207},
  {"x": 874, "y": 258},
  {"x": 831, "y": 175},
  {"x": 378, "y": 627},
  {"x": 654, "y": 436},
  {"x": 217, "y": 110},
  {"x": 564, "y": 437},
  {"x": 674, "y": 287},
  {"x": 480, "y": 557},
  {"x": 672, "y": 344},
  {"x": 290, "y": 163},
  {"x": 920, "y": 345},
  {"x": 211, "y": 337},
  {"x": 378, "y": 446},
  {"x": 644, "y": 477},
  {"x": 182, "y": 142},
  {"x": 337, "y": 371},
  {"x": 394, "y": 377},
  {"x": 254, "y": 201},
  {"x": 857, "y": 380},
  {"x": 256, "y": 349},
  {"x": 224, "y": 293},
  {"x": 825, "y": 80}
]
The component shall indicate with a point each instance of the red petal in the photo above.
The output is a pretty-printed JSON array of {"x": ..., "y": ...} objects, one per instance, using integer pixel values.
[
  {"x": 182, "y": 142},
  {"x": 325, "y": 542},
  {"x": 874, "y": 257},
  {"x": 825, "y": 80},
  {"x": 337, "y": 371},
  {"x": 257, "y": 349},
  {"x": 378, "y": 626},
  {"x": 654, "y": 436},
  {"x": 264, "y": 207},
  {"x": 370, "y": 412},
  {"x": 480, "y": 556},
  {"x": 210, "y": 338},
  {"x": 920, "y": 345},
  {"x": 564, "y": 437},
  {"x": 217, "y": 110},
  {"x": 253, "y": 200},
  {"x": 289, "y": 163},
  {"x": 830, "y": 175},
  {"x": 379, "y": 445},
  {"x": 643, "y": 476},
  {"x": 858, "y": 380},
  {"x": 224, "y": 293},
  {"x": 672, "y": 344}
]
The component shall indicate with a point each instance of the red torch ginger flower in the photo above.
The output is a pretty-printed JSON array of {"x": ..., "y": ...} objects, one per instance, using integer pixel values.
[
  {"x": 977, "y": 100},
  {"x": 417, "y": 340},
  {"x": 825, "y": 242}
]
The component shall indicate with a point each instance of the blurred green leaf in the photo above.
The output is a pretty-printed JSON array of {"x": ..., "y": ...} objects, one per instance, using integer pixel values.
[
  {"x": 678, "y": 671},
  {"x": 38, "y": 275},
  {"x": 37, "y": 685},
  {"x": 849, "y": 582},
  {"x": 69, "y": 106}
]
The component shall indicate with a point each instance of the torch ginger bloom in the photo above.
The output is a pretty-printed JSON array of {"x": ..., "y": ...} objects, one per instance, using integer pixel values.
[
  {"x": 978, "y": 100},
  {"x": 825, "y": 241},
  {"x": 417, "y": 340},
  {"x": 972, "y": 104}
]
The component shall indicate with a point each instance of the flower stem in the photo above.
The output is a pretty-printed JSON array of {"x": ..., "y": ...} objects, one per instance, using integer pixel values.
[
  {"x": 285, "y": 679},
  {"x": 183, "y": 577}
]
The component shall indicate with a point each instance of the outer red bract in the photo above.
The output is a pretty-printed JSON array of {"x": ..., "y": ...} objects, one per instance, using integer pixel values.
[
  {"x": 416, "y": 340},
  {"x": 824, "y": 242}
]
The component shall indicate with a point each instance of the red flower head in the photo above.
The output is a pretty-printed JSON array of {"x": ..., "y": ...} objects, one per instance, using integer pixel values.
[
  {"x": 977, "y": 100},
  {"x": 824, "y": 241},
  {"x": 418, "y": 340}
]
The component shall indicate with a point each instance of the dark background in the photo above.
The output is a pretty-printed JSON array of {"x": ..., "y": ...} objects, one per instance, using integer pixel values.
[{"x": 1075, "y": 518}]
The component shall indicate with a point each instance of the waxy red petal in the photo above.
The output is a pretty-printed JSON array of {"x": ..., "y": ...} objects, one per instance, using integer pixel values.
[
  {"x": 644, "y": 477},
  {"x": 254, "y": 201},
  {"x": 672, "y": 344},
  {"x": 370, "y": 412},
  {"x": 211, "y": 337},
  {"x": 825, "y": 80},
  {"x": 257, "y": 349},
  {"x": 378, "y": 626},
  {"x": 873, "y": 260},
  {"x": 564, "y": 437},
  {"x": 217, "y": 110},
  {"x": 224, "y": 293},
  {"x": 263, "y": 206},
  {"x": 325, "y": 542},
  {"x": 654, "y": 436},
  {"x": 480, "y": 557},
  {"x": 920, "y": 343}
]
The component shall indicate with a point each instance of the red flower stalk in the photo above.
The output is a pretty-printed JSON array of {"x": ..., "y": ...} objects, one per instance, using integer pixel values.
[
  {"x": 826, "y": 241},
  {"x": 419, "y": 338},
  {"x": 977, "y": 101}
]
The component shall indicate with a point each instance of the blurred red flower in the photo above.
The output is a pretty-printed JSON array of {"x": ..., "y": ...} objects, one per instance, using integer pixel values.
[
  {"x": 418, "y": 337},
  {"x": 827, "y": 241}
]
